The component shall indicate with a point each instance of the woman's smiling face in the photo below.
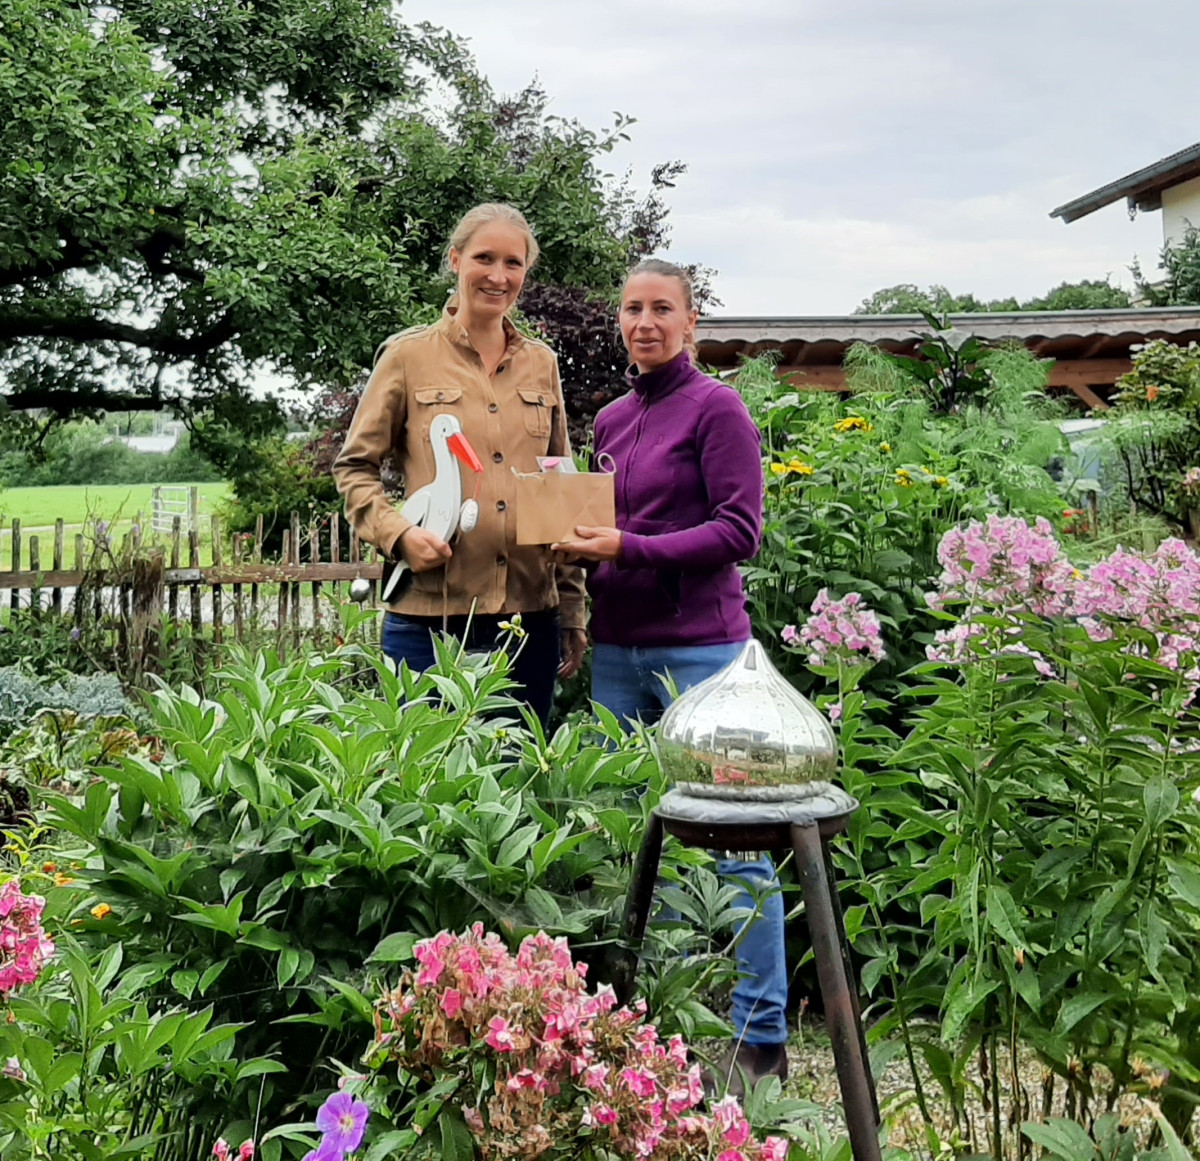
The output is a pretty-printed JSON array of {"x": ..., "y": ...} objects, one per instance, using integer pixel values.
[
  {"x": 655, "y": 319},
  {"x": 491, "y": 271}
]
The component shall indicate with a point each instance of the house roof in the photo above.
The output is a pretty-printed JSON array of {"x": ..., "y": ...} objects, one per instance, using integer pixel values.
[
  {"x": 1056, "y": 334},
  {"x": 1142, "y": 189}
]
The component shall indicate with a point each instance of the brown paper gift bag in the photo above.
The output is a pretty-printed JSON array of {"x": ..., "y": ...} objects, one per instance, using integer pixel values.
[{"x": 551, "y": 505}]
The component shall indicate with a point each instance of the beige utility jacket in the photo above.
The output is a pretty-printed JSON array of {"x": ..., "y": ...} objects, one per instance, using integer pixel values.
[{"x": 509, "y": 419}]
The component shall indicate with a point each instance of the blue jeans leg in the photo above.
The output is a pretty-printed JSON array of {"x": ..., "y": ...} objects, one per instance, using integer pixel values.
[
  {"x": 619, "y": 686},
  {"x": 630, "y": 682},
  {"x": 760, "y": 995}
]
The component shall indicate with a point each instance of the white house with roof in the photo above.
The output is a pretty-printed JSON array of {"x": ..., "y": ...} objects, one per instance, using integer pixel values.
[{"x": 1171, "y": 185}]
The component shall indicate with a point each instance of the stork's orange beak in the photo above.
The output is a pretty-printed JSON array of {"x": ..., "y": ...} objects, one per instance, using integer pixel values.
[{"x": 462, "y": 451}]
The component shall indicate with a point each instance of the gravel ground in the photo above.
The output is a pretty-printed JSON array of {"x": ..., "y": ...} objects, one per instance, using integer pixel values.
[{"x": 812, "y": 1077}]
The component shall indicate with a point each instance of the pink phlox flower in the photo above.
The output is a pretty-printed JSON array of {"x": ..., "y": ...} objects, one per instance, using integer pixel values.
[
  {"x": 221, "y": 1149},
  {"x": 499, "y": 1035},
  {"x": 526, "y": 1078},
  {"x": 789, "y": 635},
  {"x": 726, "y": 1112},
  {"x": 841, "y": 629},
  {"x": 835, "y": 712},
  {"x": 452, "y": 1002},
  {"x": 246, "y": 1151},
  {"x": 731, "y": 1155},
  {"x": 342, "y": 1120},
  {"x": 603, "y": 1114},
  {"x": 595, "y": 1078},
  {"x": 641, "y": 1083},
  {"x": 774, "y": 1149},
  {"x": 738, "y": 1133}
]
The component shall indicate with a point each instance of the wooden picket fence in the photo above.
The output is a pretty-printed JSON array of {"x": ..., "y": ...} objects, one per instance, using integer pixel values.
[{"x": 129, "y": 587}]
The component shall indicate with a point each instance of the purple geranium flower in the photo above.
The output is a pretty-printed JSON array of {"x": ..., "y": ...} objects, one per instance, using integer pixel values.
[
  {"x": 324, "y": 1152},
  {"x": 343, "y": 1120}
]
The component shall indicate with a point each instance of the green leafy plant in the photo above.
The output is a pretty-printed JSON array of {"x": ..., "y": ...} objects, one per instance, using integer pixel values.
[{"x": 297, "y": 833}]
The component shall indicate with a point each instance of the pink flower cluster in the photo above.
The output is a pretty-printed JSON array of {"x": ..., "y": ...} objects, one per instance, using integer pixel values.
[
  {"x": 1004, "y": 563},
  {"x": 1004, "y": 568},
  {"x": 567, "y": 1064},
  {"x": 844, "y": 630},
  {"x": 24, "y": 946}
]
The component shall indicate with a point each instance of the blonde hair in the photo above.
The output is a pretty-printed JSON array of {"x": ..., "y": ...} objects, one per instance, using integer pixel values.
[
  {"x": 485, "y": 214},
  {"x": 669, "y": 270}
]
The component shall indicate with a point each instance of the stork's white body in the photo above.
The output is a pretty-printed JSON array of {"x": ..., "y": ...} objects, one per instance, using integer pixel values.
[{"x": 437, "y": 507}]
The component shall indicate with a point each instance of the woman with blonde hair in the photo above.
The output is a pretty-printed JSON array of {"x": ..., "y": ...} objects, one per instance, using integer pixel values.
[
  {"x": 667, "y": 599},
  {"x": 504, "y": 390}
]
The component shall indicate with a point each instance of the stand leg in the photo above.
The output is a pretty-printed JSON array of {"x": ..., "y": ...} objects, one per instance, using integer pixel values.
[
  {"x": 841, "y": 1014},
  {"x": 637, "y": 909},
  {"x": 848, "y": 968}
]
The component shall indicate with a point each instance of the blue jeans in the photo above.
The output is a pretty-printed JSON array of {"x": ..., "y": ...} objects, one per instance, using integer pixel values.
[
  {"x": 410, "y": 639},
  {"x": 629, "y": 682}
]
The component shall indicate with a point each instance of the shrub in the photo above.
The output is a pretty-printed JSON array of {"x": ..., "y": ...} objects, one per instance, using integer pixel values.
[{"x": 295, "y": 838}]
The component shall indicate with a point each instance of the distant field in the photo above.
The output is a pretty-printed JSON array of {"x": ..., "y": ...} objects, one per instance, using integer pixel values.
[
  {"x": 36, "y": 507},
  {"x": 119, "y": 504}
]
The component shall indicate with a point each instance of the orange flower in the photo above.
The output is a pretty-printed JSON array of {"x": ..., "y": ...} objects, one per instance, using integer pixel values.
[
  {"x": 49, "y": 868},
  {"x": 1151, "y": 393},
  {"x": 61, "y": 880},
  {"x": 101, "y": 911}
]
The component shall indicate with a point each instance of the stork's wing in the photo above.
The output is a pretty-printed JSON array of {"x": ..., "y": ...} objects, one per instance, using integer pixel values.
[{"x": 416, "y": 507}]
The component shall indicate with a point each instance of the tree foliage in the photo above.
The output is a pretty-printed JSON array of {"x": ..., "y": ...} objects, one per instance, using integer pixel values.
[
  {"x": 1180, "y": 284},
  {"x": 908, "y": 298},
  {"x": 192, "y": 195}
]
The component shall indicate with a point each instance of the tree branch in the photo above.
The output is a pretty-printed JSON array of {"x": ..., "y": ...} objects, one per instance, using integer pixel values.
[
  {"x": 94, "y": 330},
  {"x": 65, "y": 403}
]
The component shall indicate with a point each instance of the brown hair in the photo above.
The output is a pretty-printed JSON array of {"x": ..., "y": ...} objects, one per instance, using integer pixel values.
[
  {"x": 669, "y": 270},
  {"x": 485, "y": 214}
]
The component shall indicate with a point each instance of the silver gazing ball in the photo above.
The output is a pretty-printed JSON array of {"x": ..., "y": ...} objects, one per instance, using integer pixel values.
[
  {"x": 745, "y": 733},
  {"x": 360, "y": 589}
]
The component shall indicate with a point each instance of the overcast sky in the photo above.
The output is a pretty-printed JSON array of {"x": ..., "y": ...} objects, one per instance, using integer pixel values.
[{"x": 838, "y": 146}]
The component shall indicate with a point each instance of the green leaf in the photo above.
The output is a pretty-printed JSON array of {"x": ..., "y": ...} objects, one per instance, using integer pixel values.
[
  {"x": 394, "y": 948},
  {"x": 457, "y": 1142},
  {"x": 1079, "y": 1006},
  {"x": 1162, "y": 798},
  {"x": 1061, "y": 1138},
  {"x": 1003, "y": 915}
]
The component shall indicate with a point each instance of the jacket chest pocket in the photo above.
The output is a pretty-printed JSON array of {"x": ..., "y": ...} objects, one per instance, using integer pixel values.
[
  {"x": 430, "y": 402},
  {"x": 535, "y": 408}
]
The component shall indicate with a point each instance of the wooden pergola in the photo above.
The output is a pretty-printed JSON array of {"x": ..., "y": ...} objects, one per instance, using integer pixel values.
[{"x": 1090, "y": 348}]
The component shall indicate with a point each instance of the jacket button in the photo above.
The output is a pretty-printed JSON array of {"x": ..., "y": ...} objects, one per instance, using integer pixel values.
[
  {"x": 542, "y": 400},
  {"x": 441, "y": 395},
  {"x": 493, "y": 407},
  {"x": 501, "y": 560},
  {"x": 497, "y": 457},
  {"x": 500, "y": 505}
]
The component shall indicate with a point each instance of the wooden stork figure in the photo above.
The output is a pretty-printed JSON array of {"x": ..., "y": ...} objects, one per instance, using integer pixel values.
[{"x": 439, "y": 507}]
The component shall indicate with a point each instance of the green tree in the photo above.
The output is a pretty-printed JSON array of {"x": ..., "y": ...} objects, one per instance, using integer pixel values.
[
  {"x": 1180, "y": 284},
  {"x": 190, "y": 195},
  {"x": 908, "y": 298}
]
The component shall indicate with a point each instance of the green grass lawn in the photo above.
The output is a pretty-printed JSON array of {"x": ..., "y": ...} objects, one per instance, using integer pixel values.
[
  {"x": 36, "y": 507},
  {"x": 119, "y": 504}
]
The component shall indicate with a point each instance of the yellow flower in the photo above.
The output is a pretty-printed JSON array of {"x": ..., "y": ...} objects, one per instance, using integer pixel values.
[
  {"x": 940, "y": 481},
  {"x": 853, "y": 423},
  {"x": 792, "y": 467},
  {"x": 61, "y": 880},
  {"x": 101, "y": 911},
  {"x": 904, "y": 478},
  {"x": 886, "y": 448}
]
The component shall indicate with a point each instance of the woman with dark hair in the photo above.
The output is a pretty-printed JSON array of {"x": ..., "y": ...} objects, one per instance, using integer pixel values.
[{"x": 667, "y": 599}]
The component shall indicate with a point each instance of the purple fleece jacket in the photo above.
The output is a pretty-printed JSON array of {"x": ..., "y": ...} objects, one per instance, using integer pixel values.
[{"x": 689, "y": 491}]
